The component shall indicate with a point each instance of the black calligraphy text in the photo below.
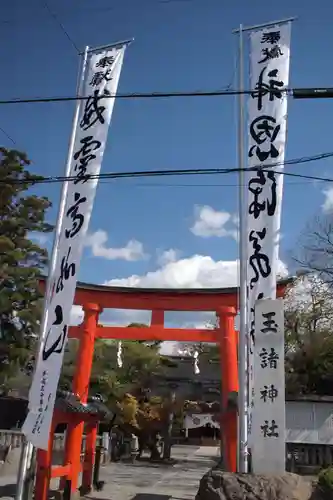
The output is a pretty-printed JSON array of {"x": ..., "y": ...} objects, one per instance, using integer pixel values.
[
  {"x": 77, "y": 218},
  {"x": 269, "y": 359},
  {"x": 58, "y": 344},
  {"x": 94, "y": 111},
  {"x": 263, "y": 130},
  {"x": 269, "y": 393},
  {"x": 270, "y": 430},
  {"x": 252, "y": 323},
  {"x": 66, "y": 271},
  {"x": 270, "y": 326},
  {"x": 258, "y": 261},
  {"x": 272, "y": 88},
  {"x": 256, "y": 187},
  {"x": 84, "y": 156}
]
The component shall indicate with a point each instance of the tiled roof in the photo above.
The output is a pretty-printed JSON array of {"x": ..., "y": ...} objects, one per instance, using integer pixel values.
[
  {"x": 182, "y": 369},
  {"x": 69, "y": 402},
  {"x": 203, "y": 407},
  {"x": 173, "y": 291}
]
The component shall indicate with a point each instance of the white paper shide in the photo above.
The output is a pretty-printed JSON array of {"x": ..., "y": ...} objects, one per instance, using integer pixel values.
[
  {"x": 269, "y": 379},
  {"x": 101, "y": 80},
  {"x": 267, "y": 115}
]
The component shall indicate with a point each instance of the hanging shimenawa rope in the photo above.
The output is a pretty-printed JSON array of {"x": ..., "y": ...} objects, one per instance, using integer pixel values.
[
  {"x": 119, "y": 355},
  {"x": 196, "y": 362}
]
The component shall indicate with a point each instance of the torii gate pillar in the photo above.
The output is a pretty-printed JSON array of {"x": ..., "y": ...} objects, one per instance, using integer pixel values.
[{"x": 229, "y": 380}]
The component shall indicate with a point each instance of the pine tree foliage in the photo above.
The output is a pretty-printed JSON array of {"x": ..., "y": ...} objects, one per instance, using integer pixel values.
[{"x": 22, "y": 261}]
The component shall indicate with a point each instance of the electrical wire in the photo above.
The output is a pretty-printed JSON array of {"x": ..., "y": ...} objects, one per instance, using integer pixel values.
[
  {"x": 135, "y": 95},
  {"x": 74, "y": 10},
  {"x": 96, "y": 10},
  {"x": 303, "y": 93},
  {"x": 61, "y": 26},
  {"x": 196, "y": 185},
  {"x": 181, "y": 172},
  {"x": 7, "y": 135}
]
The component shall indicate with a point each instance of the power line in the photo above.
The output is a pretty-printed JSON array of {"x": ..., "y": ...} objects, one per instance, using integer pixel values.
[
  {"x": 74, "y": 10},
  {"x": 309, "y": 93},
  {"x": 92, "y": 10},
  {"x": 180, "y": 172},
  {"x": 132, "y": 95},
  {"x": 61, "y": 26},
  {"x": 196, "y": 185},
  {"x": 7, "y": 135}
]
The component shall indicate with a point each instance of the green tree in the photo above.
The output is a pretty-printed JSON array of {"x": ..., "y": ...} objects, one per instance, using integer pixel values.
[
  {"x": 155, "y": 343},
  {"x": 137, "y": 325},
  {"x": 308, "y": 311},
  {"x": 127, "y": 389},
  {"x": 21, "y": 261},
  {"x": 314, "y": 252},
  {"x": 309, "y": 370},
  {"x": 309, "y": 336},
  {"x": 141, "y": 363}
]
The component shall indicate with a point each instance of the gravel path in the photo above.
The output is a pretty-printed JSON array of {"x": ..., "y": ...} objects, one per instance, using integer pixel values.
[{"x": 144, "y": 481}]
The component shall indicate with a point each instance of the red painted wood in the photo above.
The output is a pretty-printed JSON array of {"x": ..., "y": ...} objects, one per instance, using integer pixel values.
[
  {"x": 150, "y": 333},
  {"x": 60, "y": 470},
  {"x": 163, "y": 300},
  {"x": 81, "y": 387},
  {"x": 229, "y": 379}
]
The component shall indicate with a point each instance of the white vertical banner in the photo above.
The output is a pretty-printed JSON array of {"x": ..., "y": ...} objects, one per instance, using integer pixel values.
[
  {"x": 267, "y": 120},
  {"x": 268, "y": 426},
  {"x": 101, "y": 81}
]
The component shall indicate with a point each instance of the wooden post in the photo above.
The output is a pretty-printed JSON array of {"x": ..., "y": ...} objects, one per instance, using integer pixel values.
[
  {"x": 229, "y": 373},
  {"x": 81, "y": 388},
  {"x": 89, "y": 455},
  {"x": 43, "y": 472}
]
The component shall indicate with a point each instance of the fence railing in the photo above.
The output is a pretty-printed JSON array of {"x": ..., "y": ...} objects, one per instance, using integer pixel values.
[
  {"x": 13, "y": 439},
  {"x": 299, "y": 457},
  {"x": 308, "y": 458}
]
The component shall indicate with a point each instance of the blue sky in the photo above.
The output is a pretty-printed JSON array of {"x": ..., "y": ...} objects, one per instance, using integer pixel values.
[{"x": 179, "y": 45}]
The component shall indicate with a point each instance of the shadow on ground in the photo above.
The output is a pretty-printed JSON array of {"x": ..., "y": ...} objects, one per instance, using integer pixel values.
[
  {"x": 150, "y": 496},
  {"x": 144, "y": 496},
  {"x": 145, "y": 464},
  {"x": 8, "y": 490},
  {"x": 138, "y": 496}
]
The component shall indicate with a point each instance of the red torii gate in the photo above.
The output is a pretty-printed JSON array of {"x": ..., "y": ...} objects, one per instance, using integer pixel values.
[{"x": 94, "y": 299}]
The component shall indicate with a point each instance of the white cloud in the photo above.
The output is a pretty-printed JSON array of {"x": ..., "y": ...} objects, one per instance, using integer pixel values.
[
  {"x": 210, "y": 222},
  {"x": 168, "y": 256},
  {"x": 112, "y": 317},
  {"x": 76, "y": 316},
  {"x": 327, "y": 206},
  {"x": 198, "y": 271},
  {"x": 235, "y": 219},
  {"x": 40, "y": 238},
  {"x": 132, "y": 251}
]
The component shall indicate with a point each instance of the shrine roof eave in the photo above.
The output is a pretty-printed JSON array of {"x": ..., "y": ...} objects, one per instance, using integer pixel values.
[{"x": 172, "y": 299}]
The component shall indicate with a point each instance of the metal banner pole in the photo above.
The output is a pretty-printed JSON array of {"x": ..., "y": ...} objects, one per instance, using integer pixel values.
[
  {"x": 109, "y": 46},
  {"x": 242, "y": 354},
  {"x": 243, "y": 330}
]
